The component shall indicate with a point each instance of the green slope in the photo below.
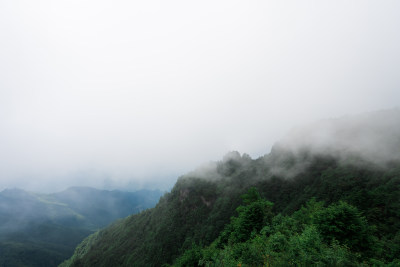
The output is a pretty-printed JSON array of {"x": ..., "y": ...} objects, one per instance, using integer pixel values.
[
  {"x": 199, "y": 207},
  {"x": 197, "y": 210}
]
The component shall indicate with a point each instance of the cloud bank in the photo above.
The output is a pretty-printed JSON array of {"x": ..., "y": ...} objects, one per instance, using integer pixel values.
[{"x": 125, "y": 94}]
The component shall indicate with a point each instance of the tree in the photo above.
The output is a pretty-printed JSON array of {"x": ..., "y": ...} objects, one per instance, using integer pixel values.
[
  {"x": 252, "y": 217},
  {"x": 344, "y": 223}
]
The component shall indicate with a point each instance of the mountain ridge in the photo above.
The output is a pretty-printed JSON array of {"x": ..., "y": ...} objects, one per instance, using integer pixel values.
[{"x": 200, "y": 205}]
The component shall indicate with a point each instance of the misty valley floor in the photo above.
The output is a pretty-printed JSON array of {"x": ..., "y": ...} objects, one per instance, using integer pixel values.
[{"x": 43, "y": 230}]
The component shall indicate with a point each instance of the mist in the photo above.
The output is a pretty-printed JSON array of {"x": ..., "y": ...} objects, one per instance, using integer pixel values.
[
  {"x": 373, "y": 136},
  {"x": 126, "y": 95}
]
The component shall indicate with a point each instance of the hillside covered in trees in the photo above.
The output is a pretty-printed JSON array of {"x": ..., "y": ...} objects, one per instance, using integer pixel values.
[{"x": 326, "y": 195}]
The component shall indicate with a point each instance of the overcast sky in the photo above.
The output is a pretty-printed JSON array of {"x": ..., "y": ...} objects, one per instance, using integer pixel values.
[{"x": 125, "y": 94}]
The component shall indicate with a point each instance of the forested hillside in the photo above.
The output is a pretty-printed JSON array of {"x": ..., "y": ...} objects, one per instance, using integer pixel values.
[
  {"x": 43, "y": 229},
  {"x": 300, "y": 205}
]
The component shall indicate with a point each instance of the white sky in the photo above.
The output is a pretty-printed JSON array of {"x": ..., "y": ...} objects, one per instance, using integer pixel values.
[{"x": 134, "y": 93}]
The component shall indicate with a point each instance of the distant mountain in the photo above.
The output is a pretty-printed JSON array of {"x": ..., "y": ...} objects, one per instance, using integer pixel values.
[
  {"x": 204, "y": 222},
  {"x": 101, "y": 207},
  {"x": 43, "y": 229}
]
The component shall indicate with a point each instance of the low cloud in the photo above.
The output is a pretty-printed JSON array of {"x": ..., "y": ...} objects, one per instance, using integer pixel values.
[
  {"x": 374, "y": 137},
  {"x": 123, "y": 94}
]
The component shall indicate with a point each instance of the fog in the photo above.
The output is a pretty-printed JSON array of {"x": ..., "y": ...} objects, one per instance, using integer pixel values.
[
  {"x": 129, "y": 94},
  {"x": 374, "y": 136}
]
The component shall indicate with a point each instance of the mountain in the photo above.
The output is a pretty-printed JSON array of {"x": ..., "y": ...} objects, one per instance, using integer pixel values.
[
  {"x": 43, "y": 229},
  {"x": 303, "y": 203},
  {"x": 101, "y": 207}
]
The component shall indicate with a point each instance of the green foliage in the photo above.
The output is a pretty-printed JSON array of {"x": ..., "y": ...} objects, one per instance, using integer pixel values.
[
  {"x": 251, "y": 217},
  {"x": 312, "y": 236},
  {"x": 203, "y": 220},
  {"x": 344, "y": 223},
  {"x": 190, "y": 258}
]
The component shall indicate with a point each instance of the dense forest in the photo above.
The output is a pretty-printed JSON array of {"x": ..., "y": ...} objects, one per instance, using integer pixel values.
[
  {"x": 330, "y": 213},
  {"x": 301, "y": 207}
]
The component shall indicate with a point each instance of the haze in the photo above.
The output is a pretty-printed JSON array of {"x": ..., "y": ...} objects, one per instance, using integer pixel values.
[{"x": 132, "y": 94}]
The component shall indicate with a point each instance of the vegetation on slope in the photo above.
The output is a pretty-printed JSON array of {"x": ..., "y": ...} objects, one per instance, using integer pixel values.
[
  {"x": 315, "y": 235},
  {"x": 198, "y": 210},
  {"x": 312, "y": 185}
]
